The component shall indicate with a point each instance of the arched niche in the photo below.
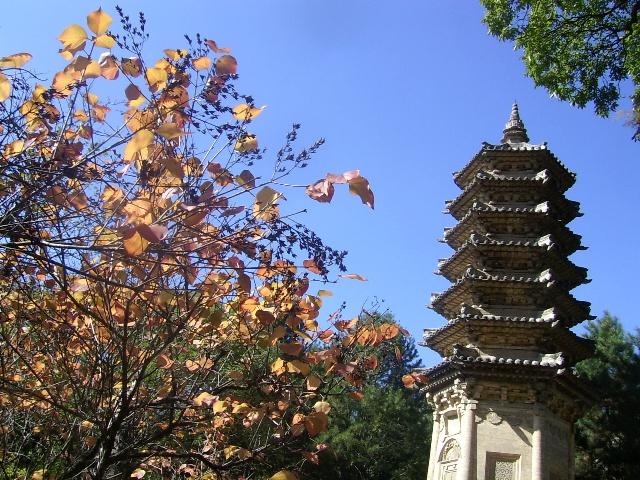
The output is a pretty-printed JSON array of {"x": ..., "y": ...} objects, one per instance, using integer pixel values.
[{"x": 448, "y": 460}]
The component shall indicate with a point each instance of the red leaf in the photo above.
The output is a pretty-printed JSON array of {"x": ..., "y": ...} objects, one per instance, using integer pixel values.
[
  {"x": 215, "y": 48},
  {"x": 353, "y": 276},
  {"x": 312, "y": 266},
  {"x": 153, "y": 233},
  {"x": 322, "y": 191}
]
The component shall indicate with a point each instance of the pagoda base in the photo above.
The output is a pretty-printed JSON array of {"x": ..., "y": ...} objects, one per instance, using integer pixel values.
[{"x": 493, "y": 429}]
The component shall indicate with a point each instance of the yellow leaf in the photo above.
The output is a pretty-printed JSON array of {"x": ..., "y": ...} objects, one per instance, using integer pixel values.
[
  {"x": 140, "y": 140},
  {"x": 284, "y": 475},
  {"x": 38, "y": 475},
  {"x": 204, "y": 398},
  {"x": 156, "y": 78},
  {"x": 170, "y": 131},
  {"x": 73, "y": 37},
  {"x": 246, "y": 143},
  {"x": 277, "y": 366},
  {"x": 5, "y": 88},
  {"x": 201, "y": 63},
  {"x": 14, "y": 148},
  {"x": 267, "y": 197},
  {"x": 325, "y": 293},
  {"x": 15, "y": 61},
  {"x": 176, "y": 54},
  {"x": 219, "y": 406},
  {"x": 246, "y": 113},
  {"x": 98, "y": 22},
  {"x": 105, "y": 41},
  {"x": 134, "y": 244},
  {"x": 92, "y": 98},
  {"x": 246, "y": 179}
]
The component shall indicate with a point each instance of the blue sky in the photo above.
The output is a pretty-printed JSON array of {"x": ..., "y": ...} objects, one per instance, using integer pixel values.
[{"x": 405, "y": 91}]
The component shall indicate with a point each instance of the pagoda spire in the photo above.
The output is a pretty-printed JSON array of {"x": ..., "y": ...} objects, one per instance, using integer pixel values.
[{"x": 514, "y": 131}]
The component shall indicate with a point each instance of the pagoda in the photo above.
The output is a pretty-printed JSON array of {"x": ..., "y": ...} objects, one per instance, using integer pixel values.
[{"x": 505, "y": 397}]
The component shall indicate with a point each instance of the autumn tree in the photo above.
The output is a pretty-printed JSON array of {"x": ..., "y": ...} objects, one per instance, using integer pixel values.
[
  {"x": 580, "y": 51},
  {"x": 386, "y": 434},
  {"x": 159, "y": 309}
]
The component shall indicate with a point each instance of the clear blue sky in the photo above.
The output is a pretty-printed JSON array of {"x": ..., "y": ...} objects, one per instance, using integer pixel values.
[{"x": 406, "y": 91}]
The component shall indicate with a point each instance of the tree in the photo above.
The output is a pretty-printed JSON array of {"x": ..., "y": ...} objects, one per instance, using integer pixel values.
[
  {"x": 581, "y": 51},
  {"x": 385, "y": 435},
  {"x": 156, "y": 311},
  {"x": 607, "y": 437}
]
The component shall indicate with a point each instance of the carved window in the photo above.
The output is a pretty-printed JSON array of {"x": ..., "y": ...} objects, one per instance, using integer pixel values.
[{"x": 502, "y": 466}]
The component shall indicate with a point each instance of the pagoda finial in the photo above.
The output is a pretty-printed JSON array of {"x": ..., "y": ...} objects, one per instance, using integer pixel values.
[{"x": 514, "y": 131}]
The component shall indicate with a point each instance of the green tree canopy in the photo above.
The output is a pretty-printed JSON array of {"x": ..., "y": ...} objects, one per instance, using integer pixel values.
[
  {"x": 607, "y": 437},
  {"x": 580, "y": 50}
]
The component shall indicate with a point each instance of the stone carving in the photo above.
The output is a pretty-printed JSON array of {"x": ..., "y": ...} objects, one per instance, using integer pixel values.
[
  {"x": 493, "y": 418},
  {"x": 468, "y": 351},
  {"x": 552, "y": 359},
  {"x": 450, "y": 451}
]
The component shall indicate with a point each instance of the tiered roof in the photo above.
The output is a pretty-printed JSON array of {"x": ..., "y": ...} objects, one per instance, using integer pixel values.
[{"x": 509, "y": 308}]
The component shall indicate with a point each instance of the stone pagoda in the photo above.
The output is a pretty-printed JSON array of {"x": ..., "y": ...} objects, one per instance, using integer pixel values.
[{"x": 505, "y": 397}]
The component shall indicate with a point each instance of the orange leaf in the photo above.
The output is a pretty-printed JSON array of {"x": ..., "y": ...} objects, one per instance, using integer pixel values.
[
  {"x": 311, "y": 266},
  {"x": 201, "y": 63},
  {"x": 134, "y": 243},
  {"x": 360, "y": 186},
  {"x": 226, "y": 65},
  {"x": 108, "y": 66}
]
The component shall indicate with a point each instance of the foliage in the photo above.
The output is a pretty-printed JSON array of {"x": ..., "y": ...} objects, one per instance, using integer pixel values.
[
  {"x": 607, "y": 437},
  {"x": 154, "y": 305},
  {"x": 581, "y": 51},
  {"x": 386, "y": 434}
]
